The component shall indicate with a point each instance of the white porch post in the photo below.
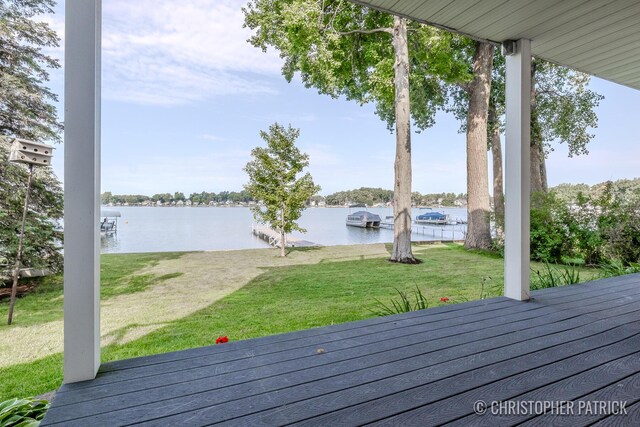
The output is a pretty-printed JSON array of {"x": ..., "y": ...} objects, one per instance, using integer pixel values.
[
  {"x": 82, "y": 190},
  {"x": 517, "y": 171}
]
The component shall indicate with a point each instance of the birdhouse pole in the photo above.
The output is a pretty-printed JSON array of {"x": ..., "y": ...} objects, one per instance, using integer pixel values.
[
  {"x": 16, "y": 269},
  {"x": 30, "y": 153}
]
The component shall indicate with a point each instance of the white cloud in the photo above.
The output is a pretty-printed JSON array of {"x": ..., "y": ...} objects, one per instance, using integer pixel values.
[{"x": 164, "y": 52}]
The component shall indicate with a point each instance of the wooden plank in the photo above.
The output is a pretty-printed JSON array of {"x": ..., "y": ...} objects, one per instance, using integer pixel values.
[
  {"x": 384, "y": 341},
  {"x": 582, "y": 289},
  {"x": 632, "y": 418},
  {"x": 503, "y": 361},
  {"x": 171, "y": 374},
  {"x": 310, "y": 369},
  {"x": 625, "y": 390},
  {"x": 562, "y": 295},
  {"x": 240, "y": 407},
  {"x": 572, "y": 388},
  {"x": 236, "y": 407},
  {"x": 235, "y": 381},
  {"x": 454, "y": 309},
  {"x": 393, "y": 339},
  {"x": 526, "y": 371},
  {"x": 299, "y": 349}
]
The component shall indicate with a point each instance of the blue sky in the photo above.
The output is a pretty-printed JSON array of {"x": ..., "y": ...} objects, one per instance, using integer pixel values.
[{"x": 185, "y": 96}]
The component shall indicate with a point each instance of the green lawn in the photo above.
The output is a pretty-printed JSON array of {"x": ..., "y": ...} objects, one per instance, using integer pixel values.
[
  {"x": 284, "y": 299},
  {"x": 44, "y": 304}
]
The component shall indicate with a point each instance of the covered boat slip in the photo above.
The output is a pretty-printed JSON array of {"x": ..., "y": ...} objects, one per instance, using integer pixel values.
[
  {"x": 577, "y": 343},
  {"x": 363, "y": 219},
  {"x": 109, "y": 220}
]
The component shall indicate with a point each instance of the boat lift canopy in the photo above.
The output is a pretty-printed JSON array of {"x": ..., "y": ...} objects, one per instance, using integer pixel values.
[{"x": 109, "y": 213}]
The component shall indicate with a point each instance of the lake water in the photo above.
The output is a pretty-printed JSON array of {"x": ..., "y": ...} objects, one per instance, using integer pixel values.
[{"x": 166, "y": 229}]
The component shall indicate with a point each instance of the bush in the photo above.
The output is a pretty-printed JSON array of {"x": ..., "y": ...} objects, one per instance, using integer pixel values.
[
  {"x": 616, "y": 268},
  {"x": 22, "y": 412},
  {"x": 552, "y": 229},
  {"x": 403, "y": 305},
  {"x": 599, "y": 230},
  {"x": 619, "y": 227},
  {"x": 550, "y": 277}
]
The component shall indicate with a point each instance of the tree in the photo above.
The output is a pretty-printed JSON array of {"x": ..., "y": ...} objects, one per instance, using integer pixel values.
[
  {"x": 106, "y": 198},
  {"x": 27, "y": 111},
  {"x": 275, "y": 182},
  {"x": 470, "y": 104},
  {"x": 562, "y": 110},
  {"x": 344, "y": 49},
  {"x": 479, "y": 232}
]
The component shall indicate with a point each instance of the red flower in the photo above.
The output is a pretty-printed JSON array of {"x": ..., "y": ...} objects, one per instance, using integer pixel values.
[
  {"x": 444, "y": 299},
  {"x": 222, "y": 340}
]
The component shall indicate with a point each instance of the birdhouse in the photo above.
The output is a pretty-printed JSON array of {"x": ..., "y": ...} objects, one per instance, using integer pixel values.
[{"x": 29, "y": 152}]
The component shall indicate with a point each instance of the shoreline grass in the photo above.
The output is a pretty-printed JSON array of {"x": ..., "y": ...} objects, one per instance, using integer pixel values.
[{"x": 313, "y": 288}]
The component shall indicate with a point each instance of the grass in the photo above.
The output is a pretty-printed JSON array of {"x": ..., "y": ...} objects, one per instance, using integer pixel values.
[
  {"x": 291, "y": 297},
  {"x": 117, "y": 277}
]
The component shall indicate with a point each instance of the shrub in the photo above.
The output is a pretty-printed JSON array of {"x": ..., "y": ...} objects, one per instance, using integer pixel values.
[
  {"x": 620, "y": 228},
  {"x": 616, "y": 268},
  {"x": 598, "y": 230},
  {"x": 404, "y": 304},
  {"x": 552, "y": 228},
  {"x": 587, "y": 237},
  {"x": 22, "y": 412},
  {"x": 550, "y": 277}
]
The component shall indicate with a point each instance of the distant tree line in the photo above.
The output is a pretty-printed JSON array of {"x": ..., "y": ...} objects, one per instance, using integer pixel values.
[
  {"x": 372, "y": 196},
  {"x": 626, "y": 189},
  {"x": 365, "y": 195},
  {"x": 202, "y": 198}
]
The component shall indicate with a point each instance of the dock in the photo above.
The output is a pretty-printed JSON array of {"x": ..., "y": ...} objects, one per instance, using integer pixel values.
[
  {"x": 272, "y": 237},
  {"x": 447, "y": 232}
]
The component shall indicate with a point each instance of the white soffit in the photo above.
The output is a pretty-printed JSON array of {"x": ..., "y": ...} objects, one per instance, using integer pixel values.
[{"x": 598, "y": 37}]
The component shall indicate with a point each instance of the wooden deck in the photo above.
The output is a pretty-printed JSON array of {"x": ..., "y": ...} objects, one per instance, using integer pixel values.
[{"x": 577, "y": 343}]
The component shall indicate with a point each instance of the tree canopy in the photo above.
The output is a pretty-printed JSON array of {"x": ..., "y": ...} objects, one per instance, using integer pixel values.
[
  {"x": 27, "y": 111},
  {"x": 275, "y": 180},
  {"x": 26, "y": 103},
  {"x": 344, "y": 49}
]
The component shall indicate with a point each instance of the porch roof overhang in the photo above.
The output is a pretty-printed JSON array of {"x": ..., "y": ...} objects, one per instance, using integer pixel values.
[{"x": 598, "y": 37}]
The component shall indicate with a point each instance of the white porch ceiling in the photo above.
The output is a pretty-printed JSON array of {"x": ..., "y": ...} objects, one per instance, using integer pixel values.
[{"x": 598, "y": 37}]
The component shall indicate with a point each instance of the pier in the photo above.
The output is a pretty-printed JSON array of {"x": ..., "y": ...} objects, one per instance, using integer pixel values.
[
  {"x": 451, "y": 232},
  {"x": 272, "y": 237}
]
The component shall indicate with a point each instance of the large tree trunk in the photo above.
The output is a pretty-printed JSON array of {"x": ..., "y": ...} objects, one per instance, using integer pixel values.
[
  {"x": 498, "y": 178},
  {"x": 401, "y": 251},
  {"x": 537, "y": 184},
  {"x": 536, "y": 138},
  {"x": 479, "y": 229},
  {"x": 543, "y": 170}
]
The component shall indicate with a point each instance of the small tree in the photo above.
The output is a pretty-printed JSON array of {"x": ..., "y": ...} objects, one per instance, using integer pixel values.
[{"x": 274, "y": 182}]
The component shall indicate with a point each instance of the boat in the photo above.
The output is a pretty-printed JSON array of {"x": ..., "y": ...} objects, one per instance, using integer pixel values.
[
  {"x": 109, "y": 221},
  {"x": 363, "y": 219},
  {"x": 432, "y": 217}
]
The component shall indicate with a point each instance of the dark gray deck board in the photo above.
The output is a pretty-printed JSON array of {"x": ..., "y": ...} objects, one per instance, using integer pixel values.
[
  {"x": 344, "y": 350},
  {"x": 402, "y": 359},
  {"x": 421, "y": 368}
]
